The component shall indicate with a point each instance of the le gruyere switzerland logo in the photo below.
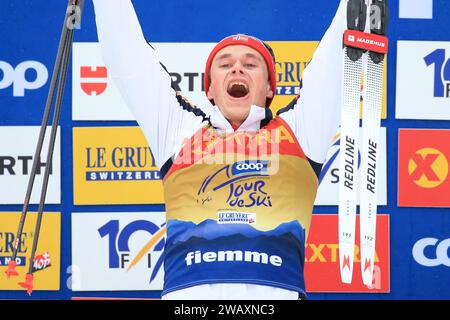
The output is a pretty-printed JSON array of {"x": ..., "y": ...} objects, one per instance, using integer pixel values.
[
  {"x": 114, "y": 165},
  {"x": 428, "y": 167}
]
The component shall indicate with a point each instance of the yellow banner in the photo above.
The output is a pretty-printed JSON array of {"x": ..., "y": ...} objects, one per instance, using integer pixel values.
[
  {"x": 292, "y": 58},
  {"x": 114, "y": 165},
  {"x": 49, "y": 242}
]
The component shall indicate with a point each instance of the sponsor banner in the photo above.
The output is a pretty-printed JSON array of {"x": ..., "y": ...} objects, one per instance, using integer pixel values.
[
  {"x": 425, "y": 259},
  {"x": 17, "y": 148},
  {"x": 322, "y": 257},
  {"x": 15, "y": 81},
  {"x": 328, "y": 193},
  {"x": 114, "y": 165},
  {"x": 416, "y": 9},
  {"x": 95, "y": 97},
  {"x": 46, "y": 266},
  {"x": 292, "y": 57},
  {"x": 118, "y": 251},
  {"x": 423, "y": 80},
  {"x": 423, "y": 168}
]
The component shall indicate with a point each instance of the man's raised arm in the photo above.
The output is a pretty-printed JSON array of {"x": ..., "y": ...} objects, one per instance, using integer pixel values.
[
  {"x": 142, "y": 81},
  {"x": 316, "y": 117}
]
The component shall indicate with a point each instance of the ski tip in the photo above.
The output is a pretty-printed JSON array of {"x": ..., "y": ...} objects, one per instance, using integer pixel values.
[
  {"x": 346, "y": 269},
  {"x": 346, "y": 277},
  {"x": 367, "y": 271},
  {"x": 28, "y": 284},
  {"x": 368, "y": 281},
  {"x": 11, "y": 271}
]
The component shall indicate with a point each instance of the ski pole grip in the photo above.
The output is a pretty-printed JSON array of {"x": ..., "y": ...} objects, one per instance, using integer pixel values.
[
  {"x": 356, "y": 15},
  {"x": 379, "y": 17}
]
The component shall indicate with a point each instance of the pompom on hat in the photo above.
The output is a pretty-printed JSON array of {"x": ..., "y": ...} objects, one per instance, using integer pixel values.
[{"x": 240, "y": 39}]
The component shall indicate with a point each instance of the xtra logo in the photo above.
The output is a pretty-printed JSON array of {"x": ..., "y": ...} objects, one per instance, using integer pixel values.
[
  {"x": 423, "y": 168},
  {"x": 93, "y": 80},
  {"x": 119, "y": 250},
  {"x": 428, "y": 168},
  {"x": 430, "y": 252},
  {"x": 17, "y": 77},
  {"x": 441, "y": 72}
]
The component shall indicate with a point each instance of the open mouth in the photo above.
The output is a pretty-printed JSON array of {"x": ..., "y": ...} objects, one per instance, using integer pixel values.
[{"x": 237, "y": 89}]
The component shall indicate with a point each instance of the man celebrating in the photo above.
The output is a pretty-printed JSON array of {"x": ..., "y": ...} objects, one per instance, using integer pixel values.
[{"x": 239, "y": 183}]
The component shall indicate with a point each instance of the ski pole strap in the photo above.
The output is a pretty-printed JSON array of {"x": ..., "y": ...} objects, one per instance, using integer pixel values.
[{"x": 366, "y": 41}]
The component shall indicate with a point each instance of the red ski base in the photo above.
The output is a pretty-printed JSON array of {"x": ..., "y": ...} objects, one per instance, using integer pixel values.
[
  {"x": 28, "y": 284},
  {"x": 11, "y": 269}
]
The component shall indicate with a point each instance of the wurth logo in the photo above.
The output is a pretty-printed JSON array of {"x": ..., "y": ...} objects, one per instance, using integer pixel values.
[
  {"x": 20, "y": 165},
  {"x": 93, "y": 80}
]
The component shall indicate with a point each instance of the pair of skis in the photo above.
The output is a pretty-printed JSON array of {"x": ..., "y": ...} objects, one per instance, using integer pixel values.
[
  {"x": 58, "y": 81},
  {"x": 365, "y": 49}
]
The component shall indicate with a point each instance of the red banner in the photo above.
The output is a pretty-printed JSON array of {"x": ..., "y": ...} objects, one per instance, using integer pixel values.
[
  {"x": 423, "y": 168},
  {"x": 322, "y": 257}
]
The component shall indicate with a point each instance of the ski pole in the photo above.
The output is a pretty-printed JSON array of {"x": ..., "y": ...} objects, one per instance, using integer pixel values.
[
  {"x": 28, "y": 284},
  {"x": 73, "y": 16},
  {"x": 48, "y": 106}
]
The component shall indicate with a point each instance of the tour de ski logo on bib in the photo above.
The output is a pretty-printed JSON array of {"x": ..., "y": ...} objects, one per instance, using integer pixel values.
[{"x": 235, "y": 180}]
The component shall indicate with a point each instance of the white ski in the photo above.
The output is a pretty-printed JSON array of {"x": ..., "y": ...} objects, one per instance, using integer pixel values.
[
  {"x": 368, "y": 50},
  {"x": 348, "y": 166},
  {"x": 372, "y": 98}
]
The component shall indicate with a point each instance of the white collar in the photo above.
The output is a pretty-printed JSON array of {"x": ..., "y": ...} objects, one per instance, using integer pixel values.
[{"x": 251, "y": 123}]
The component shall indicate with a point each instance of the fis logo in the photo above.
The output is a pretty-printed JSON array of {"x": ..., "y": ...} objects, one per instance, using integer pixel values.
[
  {"x": 250, "y": 167},
  {"x": 441, "y": 72},
  {"x": 119, "y": 250},
  {"x": 93, "y": 80},
  {"x": 437, "y": 255},
  {"x": 20, "y": 76}
]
